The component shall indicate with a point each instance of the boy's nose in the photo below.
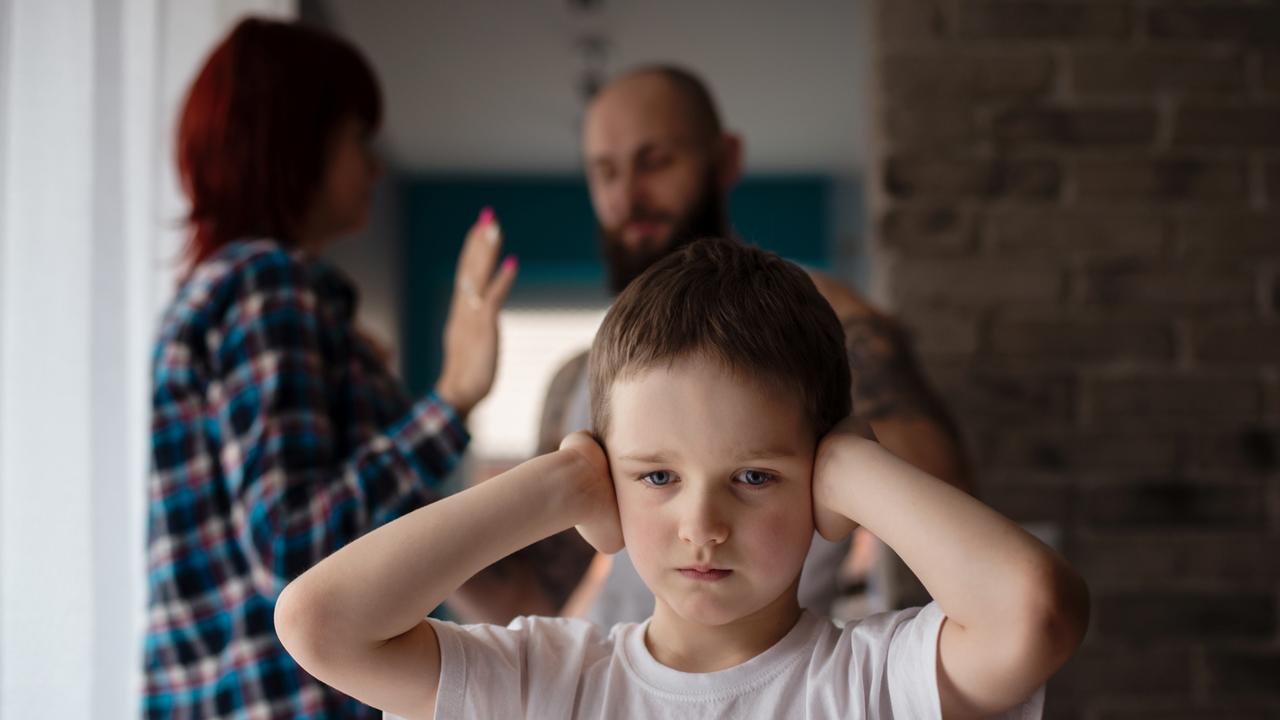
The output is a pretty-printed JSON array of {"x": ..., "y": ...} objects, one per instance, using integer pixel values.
[{"x": 700, "y": 523}]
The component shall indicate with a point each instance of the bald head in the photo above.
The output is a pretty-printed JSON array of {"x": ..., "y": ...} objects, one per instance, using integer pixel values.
[{"x": 681, "y": 92}]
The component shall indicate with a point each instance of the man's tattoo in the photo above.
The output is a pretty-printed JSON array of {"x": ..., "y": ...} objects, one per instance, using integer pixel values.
[{"x": 887, "y": 382}]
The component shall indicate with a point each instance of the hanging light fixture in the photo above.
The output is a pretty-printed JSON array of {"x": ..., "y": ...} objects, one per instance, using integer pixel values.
[{"x": 592, "y": 44}]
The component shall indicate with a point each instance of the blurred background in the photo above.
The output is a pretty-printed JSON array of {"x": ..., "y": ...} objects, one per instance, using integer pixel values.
[
  {"x": 485, "y": 104},
  {"x": 1071, "y": 203}
]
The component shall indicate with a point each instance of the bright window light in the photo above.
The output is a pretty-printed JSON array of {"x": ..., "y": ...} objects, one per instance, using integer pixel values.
[{"x": 535, "y": 343}]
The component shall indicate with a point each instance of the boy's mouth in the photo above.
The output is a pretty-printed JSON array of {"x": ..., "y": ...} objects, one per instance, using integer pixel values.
[{"x": 701, "y": 572}]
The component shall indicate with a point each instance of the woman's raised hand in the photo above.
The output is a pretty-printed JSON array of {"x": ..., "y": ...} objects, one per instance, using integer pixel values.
[{"x": 471, "y": 332}]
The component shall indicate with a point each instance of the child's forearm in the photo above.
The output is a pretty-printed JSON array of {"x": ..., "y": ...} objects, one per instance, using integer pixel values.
[
  {"x": 383, "y": 584},
  {"x": 983, "y": 570}
]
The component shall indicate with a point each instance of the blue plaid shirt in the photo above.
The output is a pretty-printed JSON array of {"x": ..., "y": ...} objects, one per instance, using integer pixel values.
[{"x": 278, "y": 436}]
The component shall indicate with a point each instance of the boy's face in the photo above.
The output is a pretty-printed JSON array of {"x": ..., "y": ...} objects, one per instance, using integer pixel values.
[{"x": 713, "y": 476}]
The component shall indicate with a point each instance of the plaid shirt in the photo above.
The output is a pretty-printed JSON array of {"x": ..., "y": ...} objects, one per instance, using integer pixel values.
[{"x": 278, "y": 436}]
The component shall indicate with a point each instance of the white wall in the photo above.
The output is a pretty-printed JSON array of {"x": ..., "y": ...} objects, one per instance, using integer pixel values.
[
  {"x": 488, "y": 85},
  {"x": 46, "y": 508},
  {"x": 491, "y": 86},
  {"x": 88, "y": 211}
]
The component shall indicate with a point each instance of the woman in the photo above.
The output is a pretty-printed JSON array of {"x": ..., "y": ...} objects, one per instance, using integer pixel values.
[{"x": 278, "y": 434}]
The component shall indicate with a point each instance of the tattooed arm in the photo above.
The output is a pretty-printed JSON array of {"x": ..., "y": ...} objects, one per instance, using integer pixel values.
[{"x": 891, "y": 393}]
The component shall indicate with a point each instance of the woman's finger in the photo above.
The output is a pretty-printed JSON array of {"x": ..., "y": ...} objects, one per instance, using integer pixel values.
[
  {"x": 468, "y": 246},
  {"x": 480, "y": 250},
  {"x": 500, "y": 288},
  {"x": 468, "y": 293}
]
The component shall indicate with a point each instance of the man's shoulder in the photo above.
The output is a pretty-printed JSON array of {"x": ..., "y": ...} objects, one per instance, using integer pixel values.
[
  {"x": 565, "y": 382},
  {"x": 845, "y": 300},
  {"x": 570, "y": 373}
]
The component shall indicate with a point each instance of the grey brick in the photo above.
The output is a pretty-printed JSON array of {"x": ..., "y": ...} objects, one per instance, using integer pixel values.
[
  {"x": 1073, "y": 451},
  {"x": 1244, "y": 672},
  {"x": 913, "y": 22},
  {"x": 1152, "y": 397},
  {"x": 927, "y": 177},
  {"x": 930, "y": 231},
  {"x": 967, "y": 282},
  {"x": 1029, "y": 501},
  {"x": 1029, "y": 20},
  {"x": 1199, "y": 287},
  {"x": 1125, "y": 558},
  {"x": 922, "y": 127},
  {"x": 1080, "y": 226},
  {"x": 1272, "y": 183},
  {"x": 1175, "y": 503},
  {"x": 1235, "y": 343},
  {"x": 948, "y": 333},
  {"x": 1074, "y": 232},
  {"x": 1162, "y": 709},
  {"x": 1270, "y": 76},
  {"x": 1075, "y": 343},
  {"x": 976, "y": 395},
  {"x": 1177, "y": 615},
  {"x": 1136, "y": 179},
  {"x": 1218, "y": 126},
  {"x": 932, "y": 77},
  {"x": 1228, "y": 234},
  {"x": 1081, "y": 197},
  {"x": 1063, "y": 706},
  {"x": 1075, "y": 126},
  {"x": 1248, "y": 448},
  {"x": 1125, "y": 670},
  {"x": 1149, "y": 72},
  {"x": 1238, "y": 22}
]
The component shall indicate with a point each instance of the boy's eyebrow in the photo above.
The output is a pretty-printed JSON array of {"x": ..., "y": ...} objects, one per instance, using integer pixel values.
[
  {"x": 773, "y": 453},
  {"x": 656, "y": 457},
  {"x": 766, "y": 453}
]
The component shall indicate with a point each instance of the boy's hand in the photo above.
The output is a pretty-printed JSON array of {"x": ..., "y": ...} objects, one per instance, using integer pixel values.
[
  {"x": 828, "y": 471},
  {"x": 600, "y": 525}
]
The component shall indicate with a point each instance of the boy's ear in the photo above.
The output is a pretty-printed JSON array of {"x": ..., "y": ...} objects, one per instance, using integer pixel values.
[
  {"x": 585, "y": 443},
  {"x": 603, "y": 527}
]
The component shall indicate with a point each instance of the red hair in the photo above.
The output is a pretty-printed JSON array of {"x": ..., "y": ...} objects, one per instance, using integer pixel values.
[{"x": 254, "y": 134}]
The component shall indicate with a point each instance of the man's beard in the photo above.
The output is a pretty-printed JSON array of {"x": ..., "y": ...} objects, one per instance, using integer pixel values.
[{"x": 705, "y": 219}]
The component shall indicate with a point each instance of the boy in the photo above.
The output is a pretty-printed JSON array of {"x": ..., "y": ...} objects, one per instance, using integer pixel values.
[{"x": 718, "y": 389}]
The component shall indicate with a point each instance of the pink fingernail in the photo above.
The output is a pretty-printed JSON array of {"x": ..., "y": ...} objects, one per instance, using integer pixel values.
[
  {"x": 486, "y": 216},
  {"x": 510, "y": 262}
]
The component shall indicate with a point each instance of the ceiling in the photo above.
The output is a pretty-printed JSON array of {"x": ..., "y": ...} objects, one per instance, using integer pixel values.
[{"x": 493, "y": 85}]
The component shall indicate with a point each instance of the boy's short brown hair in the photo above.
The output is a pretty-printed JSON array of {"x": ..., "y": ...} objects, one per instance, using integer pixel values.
[{"x": 757, "y": 314}]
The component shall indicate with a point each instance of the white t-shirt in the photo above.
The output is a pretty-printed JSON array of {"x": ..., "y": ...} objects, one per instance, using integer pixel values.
[{"x": 883, "y": 666}]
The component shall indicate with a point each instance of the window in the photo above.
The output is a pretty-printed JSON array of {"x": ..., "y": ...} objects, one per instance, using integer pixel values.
[{"x": 535, "y": 343}]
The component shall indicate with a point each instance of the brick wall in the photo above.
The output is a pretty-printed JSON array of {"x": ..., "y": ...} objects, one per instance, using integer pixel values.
[{"x": 1078, "y": 212}]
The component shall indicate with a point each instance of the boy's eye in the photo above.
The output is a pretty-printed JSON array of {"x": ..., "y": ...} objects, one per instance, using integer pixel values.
[
  {"x": 755, "y": 478},
  {"x": 658, "y": 478}
]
